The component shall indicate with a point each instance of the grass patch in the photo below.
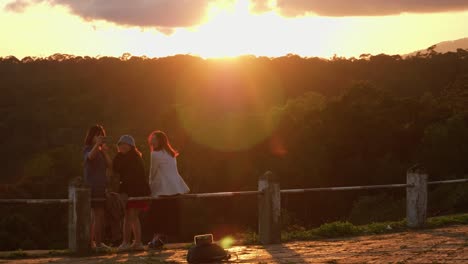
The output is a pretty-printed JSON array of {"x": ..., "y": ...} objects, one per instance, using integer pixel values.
[
  {"x": 439, "y": 221},
  {"x": 250, "y": 238},
  {"x": 56, "y": 253},
  {"x": 337, "y": 229},
  {"x": 18, "y": 254},
  {"x": 346, "y": 229}
]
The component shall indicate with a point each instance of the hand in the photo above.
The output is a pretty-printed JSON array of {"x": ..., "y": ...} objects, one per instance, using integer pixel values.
[
  {"x": 100, "y": 140},
  {"x": 104, "y": 147}
]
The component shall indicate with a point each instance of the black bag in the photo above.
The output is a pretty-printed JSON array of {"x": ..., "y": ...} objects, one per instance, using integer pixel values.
[{"x": 207, "y": 253}]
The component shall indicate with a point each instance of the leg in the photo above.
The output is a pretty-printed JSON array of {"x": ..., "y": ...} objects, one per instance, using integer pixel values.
[
  {"x": 93, "y": 218},
  {"x": 98, "y": 224},
  {"x": 154, "y": 218},
  {"x": 127, "y": 229},
  {"x": 137, "y": 227}
]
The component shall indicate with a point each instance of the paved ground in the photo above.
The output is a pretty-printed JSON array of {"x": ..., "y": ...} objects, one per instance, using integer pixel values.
[{"x": 444, "y": 245}]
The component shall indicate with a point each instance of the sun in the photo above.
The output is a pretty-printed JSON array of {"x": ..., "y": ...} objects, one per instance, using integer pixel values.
[
  {"x": 230, "y": 30},
  {"x": 221, "y": 34}
]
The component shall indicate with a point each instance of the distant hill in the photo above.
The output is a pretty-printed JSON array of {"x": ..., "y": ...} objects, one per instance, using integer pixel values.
[{"x": 446, "y": 46}]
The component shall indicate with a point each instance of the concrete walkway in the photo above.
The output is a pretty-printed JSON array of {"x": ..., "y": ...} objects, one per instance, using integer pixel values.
[{"x": 443, "y": 245}]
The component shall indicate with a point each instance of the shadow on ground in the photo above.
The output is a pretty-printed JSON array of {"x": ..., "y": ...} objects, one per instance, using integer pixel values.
[{"x": 442, "y": 245}]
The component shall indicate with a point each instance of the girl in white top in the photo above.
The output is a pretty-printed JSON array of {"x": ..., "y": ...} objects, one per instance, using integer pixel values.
[{"x": 164, "y": 178}]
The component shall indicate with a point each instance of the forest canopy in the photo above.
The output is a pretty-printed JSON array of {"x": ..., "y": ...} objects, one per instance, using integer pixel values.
[{"x": 314, "y": 122}]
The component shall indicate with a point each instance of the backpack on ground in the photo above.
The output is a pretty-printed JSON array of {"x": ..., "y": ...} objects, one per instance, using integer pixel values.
[{"x": 205, "y": 251}]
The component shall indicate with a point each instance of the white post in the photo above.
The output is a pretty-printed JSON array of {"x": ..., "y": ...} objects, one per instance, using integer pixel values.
[
  {"x": 269, "y": 209},
  {"x": 79, "y": 220},
  {"x": 416, "y": 197}
]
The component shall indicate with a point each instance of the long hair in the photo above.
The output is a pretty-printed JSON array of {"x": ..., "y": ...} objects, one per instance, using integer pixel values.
[
  {"x": 163, "y": 143},
  {"x": 136, "y": 151},
  {"x": 93, "y": 131}
]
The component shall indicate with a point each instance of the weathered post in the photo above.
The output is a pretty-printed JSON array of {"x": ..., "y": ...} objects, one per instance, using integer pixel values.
[
  {"x": 269, "y": 209},
  {"x": 79, "y": 219},
  {"x": 416, "y": 197}
]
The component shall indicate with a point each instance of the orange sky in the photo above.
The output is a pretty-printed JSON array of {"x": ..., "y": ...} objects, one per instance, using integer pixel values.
[{"x": 219, "y": 28}]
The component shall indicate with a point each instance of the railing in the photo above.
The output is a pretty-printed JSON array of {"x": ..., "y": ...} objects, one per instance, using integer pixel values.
[{"x": 269, "y": 205}]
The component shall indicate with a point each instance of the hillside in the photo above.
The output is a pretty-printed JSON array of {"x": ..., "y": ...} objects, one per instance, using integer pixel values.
[{"x": 446, "y": 46}]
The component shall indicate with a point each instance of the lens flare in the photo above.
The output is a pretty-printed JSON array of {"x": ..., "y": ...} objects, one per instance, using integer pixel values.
[
  {"x": 227, "y": 242},
  {"x": 226, "y": 104}
]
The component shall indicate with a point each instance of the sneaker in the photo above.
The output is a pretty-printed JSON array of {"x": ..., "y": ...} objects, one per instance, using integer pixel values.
[
  {"x": 157, "y": 242},
  {"x": 137, "y": 247},
  {"x": 102, "y": 248},
  {"x": 124, "y": 247}
]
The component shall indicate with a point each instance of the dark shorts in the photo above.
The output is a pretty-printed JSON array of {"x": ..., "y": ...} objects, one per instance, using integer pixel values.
[{"x": 142, "y": 205}]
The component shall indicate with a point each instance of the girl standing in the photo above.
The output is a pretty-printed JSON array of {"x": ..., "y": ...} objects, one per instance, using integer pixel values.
[
  {"x": 96, "y": 163},
  {"x": 128, "y": 163}
]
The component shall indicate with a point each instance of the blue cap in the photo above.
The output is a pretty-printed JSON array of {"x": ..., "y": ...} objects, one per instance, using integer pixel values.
[{"x": 127, "y": 139}]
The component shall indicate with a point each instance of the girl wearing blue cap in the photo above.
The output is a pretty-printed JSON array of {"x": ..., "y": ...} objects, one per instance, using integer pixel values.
[{"x": 128, "y": 164}]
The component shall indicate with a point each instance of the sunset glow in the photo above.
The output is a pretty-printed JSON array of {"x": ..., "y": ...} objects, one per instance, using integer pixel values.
[
  {"x": 228, "y": 28},
  {"x": 243, "y": 124}
]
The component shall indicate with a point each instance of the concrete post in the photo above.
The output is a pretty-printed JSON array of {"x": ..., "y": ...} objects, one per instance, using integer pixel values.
[
  {"x": 79, "y": 220},
  {"x": 416, "y": 197},
  {"x": 269, "y": 209}
]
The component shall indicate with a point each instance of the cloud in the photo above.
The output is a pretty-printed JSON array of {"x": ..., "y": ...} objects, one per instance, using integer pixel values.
[
  {"x": 142, "y": 13},
  {"x": 259, "y": 6},
  {"x": 293, "y": 8},
  {"x": 17, "y": 6},
  {"x": 169, "y": 14}
]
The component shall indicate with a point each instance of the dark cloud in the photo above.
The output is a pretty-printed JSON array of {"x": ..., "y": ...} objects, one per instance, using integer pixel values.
[
  {"x": 365, "y": 7},
  {"x": 168, "y": 14},
  {"x": 143, "y": 13}
]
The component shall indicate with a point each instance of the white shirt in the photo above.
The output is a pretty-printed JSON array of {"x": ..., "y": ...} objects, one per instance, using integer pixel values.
[{"x": 164, "y": 178}]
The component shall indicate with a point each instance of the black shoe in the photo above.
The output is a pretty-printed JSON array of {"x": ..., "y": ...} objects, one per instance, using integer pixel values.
[{"x": 157, "y": 242}]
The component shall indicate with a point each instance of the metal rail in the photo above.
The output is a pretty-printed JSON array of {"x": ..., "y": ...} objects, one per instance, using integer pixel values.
[
  {"x": 34, "y": 201},
  {"x": 231, "y": 194},
  {"x": 346, "y": 188},
  {"x": 447, "y": 181},
  {"x": 189, "y": 196}
]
